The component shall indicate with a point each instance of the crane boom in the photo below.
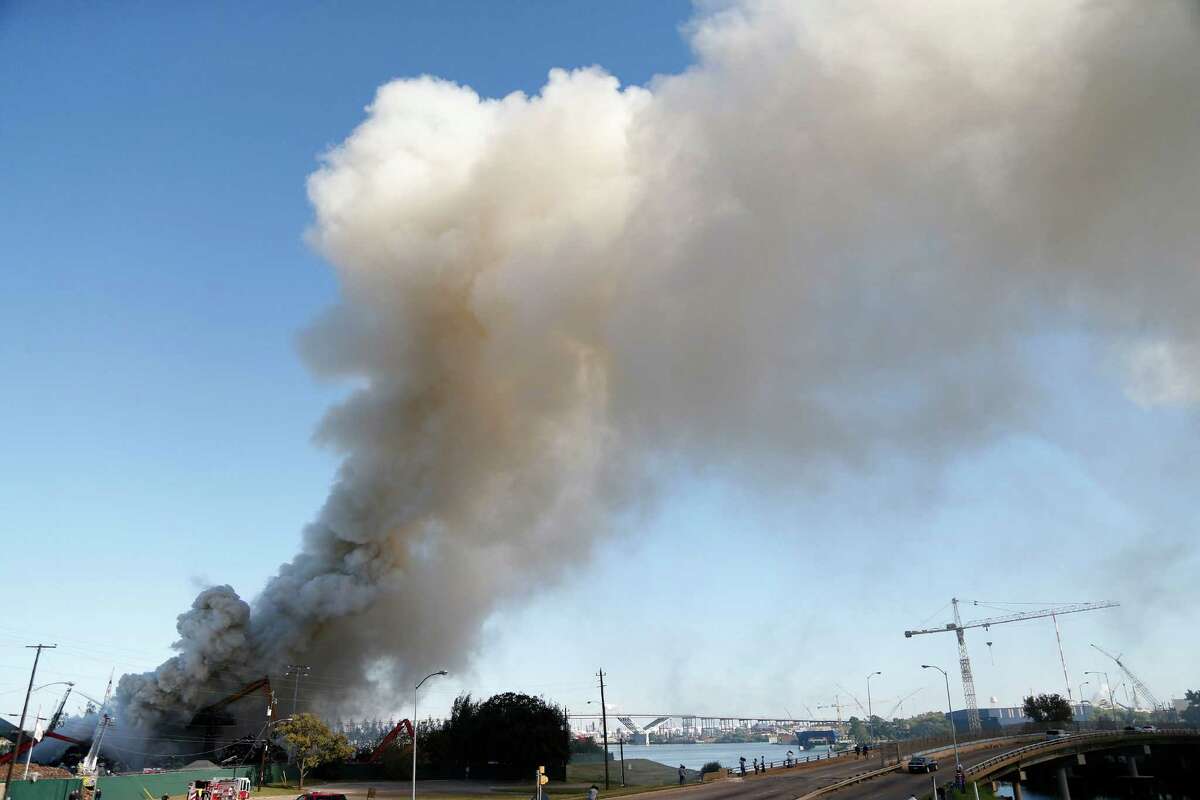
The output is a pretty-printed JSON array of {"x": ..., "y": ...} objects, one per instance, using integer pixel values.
[
  {"x": 1015, "y": 617},
  {"x": 1134, "y": 679}
]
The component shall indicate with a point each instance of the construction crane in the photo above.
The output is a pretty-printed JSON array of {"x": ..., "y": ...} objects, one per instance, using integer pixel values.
[
  {"x": 964, "y": 661},
  {"x": 30, "y": 743},
  {"x": 900, "y": 702},
  {"x": 837, "y": 703},
  {"x": 1138, "y": 686}
]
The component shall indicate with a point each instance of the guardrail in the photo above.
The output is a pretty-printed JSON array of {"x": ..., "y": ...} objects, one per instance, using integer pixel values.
[{"x": 853, "y": 779}]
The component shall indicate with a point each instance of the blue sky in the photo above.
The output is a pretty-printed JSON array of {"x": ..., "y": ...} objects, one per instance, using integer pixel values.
[{"x": 157, "y": 421}]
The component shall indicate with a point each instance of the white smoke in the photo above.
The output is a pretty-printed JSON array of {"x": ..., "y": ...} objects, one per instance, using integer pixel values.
[{"x": 834, "y": 236}]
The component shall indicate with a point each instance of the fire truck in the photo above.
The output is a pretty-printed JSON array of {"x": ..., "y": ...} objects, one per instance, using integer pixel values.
[{"x": 220, "y": 789}]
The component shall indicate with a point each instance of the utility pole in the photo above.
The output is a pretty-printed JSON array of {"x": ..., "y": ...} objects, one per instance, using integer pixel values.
[
  {"x": 24, "y": 710},
  {"x": 603, "y": 727},
  {"x": 299, "y": 670}
]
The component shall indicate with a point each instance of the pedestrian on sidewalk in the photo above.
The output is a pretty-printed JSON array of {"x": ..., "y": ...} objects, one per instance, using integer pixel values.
[{"x": 593, "y": 792}]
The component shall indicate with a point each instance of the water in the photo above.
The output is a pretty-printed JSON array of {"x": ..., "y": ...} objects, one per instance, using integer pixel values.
[{"x": 694, "y": 756}]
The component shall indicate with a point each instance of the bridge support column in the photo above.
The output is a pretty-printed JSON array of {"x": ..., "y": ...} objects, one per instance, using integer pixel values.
[
  {"x": 1017, "y": 793},
  {"x": 1132, "y": 766},
  {"x": 1064, "y": 790}
]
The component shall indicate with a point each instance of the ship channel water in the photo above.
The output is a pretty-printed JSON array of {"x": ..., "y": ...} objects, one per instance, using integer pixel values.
[{"x": 694, "y": 756}]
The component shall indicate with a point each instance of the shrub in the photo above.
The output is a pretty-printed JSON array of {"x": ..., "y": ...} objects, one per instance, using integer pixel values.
[{"x": 711, "y": 766}]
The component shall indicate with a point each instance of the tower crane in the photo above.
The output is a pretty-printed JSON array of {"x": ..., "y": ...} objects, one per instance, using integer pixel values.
[
  {"x": 964, "y": 661},
  {"x": 1138, "y": 686}
]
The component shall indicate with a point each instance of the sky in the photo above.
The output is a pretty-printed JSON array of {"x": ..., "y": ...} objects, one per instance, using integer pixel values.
[{"x": 159, "y": 422}]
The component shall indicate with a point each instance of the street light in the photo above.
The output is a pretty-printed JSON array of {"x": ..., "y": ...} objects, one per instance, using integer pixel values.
[
  {"x": 950, "y": 707},
  {"x": 414, "y": 730},
  {"x": 56, "y": 683},
  {"x": 870, "y": 714},
  {"x": 1112, "y": 705},
  {"x": 1081, "y": 701}
]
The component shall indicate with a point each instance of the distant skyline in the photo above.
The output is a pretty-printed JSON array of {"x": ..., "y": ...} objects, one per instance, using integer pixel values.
[{"x": 159, "y": 423}]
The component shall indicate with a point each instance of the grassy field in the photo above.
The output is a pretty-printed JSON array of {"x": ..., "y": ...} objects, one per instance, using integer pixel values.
[{"x": 638, "y": 772}]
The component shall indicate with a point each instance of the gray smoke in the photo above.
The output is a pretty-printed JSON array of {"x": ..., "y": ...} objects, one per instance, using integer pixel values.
[{"x": 833, "y": 238}]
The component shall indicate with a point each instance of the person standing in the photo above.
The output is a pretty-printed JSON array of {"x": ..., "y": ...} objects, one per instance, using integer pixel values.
[
  {"x": 742, "y": 759},
  {"x": 682, "y": 774},
  {"x": 593, "y": 792}
]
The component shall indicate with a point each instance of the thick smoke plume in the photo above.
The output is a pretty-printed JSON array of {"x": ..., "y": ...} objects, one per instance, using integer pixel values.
[{"x": 833, "y": 237}]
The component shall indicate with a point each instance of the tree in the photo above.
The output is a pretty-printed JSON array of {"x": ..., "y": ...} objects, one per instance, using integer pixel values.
[
  {"x": 859, "y": 731},
  {"x": 1191, "y": 714},
  {"x": 1048, "y": 708},
  {"x": 509, "y": 735},
  {"x": 313, "y": 743}
]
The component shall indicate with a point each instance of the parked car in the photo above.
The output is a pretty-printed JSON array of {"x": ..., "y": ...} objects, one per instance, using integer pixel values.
[
  {"x": 1056, "y": 733},
  {"x": 321, "y": 796},
  {"x": 922, "y": 764},
  {"x": 1147, "y": 728}
]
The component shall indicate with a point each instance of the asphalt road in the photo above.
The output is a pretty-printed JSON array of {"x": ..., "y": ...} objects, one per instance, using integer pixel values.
[{"x": 788, "y": 785}]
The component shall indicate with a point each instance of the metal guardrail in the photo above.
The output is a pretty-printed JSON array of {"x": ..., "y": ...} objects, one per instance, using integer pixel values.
[
  {"x": 1065, "y": 742},
  {"x": 853, "y": 779}
]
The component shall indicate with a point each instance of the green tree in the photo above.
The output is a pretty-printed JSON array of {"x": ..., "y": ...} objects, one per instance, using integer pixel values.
[
  {"x": 1048, "y": 708},
  {"x": 1191, "y": 714},
  {"x": 313, "y": 743},
  {"x": 859, "y": 731},
  {"x": 512, "y": 734}
]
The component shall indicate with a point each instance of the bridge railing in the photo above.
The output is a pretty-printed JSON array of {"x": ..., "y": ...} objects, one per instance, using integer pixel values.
[{"x": 786, "y": 763}]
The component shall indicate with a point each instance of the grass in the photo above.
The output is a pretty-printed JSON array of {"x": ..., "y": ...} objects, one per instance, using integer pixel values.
[{"x": 639, "y": 772}]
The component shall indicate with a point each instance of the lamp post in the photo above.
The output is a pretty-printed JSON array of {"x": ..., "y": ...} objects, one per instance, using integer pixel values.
[
  {"x": 870, "y": 714},
  {"x": 414, "y": 730},
  {"x": 949, "y": 707},
  {"x": 1081, "y": 695}
]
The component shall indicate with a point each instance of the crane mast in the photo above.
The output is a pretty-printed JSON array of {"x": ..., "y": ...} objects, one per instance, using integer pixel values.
[
  {"x": 964, "y": 660},
  {"x": 964, "y": 665}
]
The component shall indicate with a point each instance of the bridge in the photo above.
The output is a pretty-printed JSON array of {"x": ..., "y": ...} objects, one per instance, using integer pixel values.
[
  {"x": 846, "y": 777},
  {"x": 1070, "y": 751}
]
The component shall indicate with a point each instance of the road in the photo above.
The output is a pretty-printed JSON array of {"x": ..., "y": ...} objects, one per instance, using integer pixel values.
[{"x": 789, "y": 784}]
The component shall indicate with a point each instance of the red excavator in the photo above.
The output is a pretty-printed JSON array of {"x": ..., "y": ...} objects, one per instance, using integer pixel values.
[{"x": 377, "y": 754}]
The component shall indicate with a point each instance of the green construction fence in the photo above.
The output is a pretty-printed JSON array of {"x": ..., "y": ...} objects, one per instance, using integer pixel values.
[
  {"x": 151, "y": 785},
  {"x": 43, "y": 790}
]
